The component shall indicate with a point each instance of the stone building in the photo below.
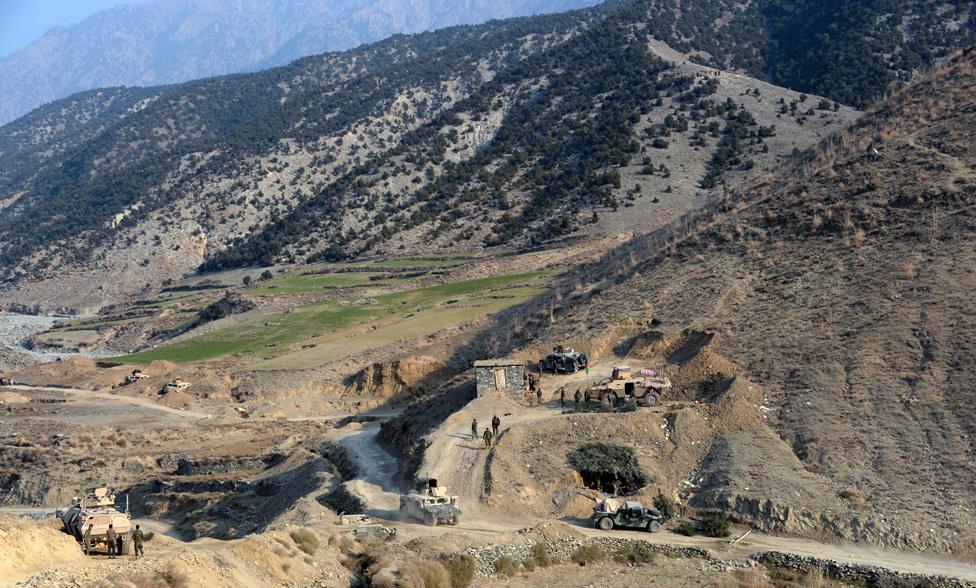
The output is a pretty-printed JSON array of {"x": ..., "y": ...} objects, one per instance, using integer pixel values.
[{"x": 501, "y": 376}]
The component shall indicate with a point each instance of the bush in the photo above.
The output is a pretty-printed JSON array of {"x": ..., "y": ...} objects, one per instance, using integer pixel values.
[
  {"x": 686, "y": 528},
  {"x": 665, "y": 506},
  {"x": 589, "y": 553},
  {"x": 460, "y": 568},
  {"x": 605, "y": 466},
  {"x": 634, "y": 553},
  {"x": 715, "y": 524},
  {"x": 506, "y": 566},
  {"x": 540, "y": 557},
  {"x": 424, "y": 574},
  {"x": 306, "y": 540}
]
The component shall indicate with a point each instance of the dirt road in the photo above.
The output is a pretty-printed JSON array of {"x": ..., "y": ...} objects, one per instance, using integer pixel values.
[{"x": 458, "y": 461}]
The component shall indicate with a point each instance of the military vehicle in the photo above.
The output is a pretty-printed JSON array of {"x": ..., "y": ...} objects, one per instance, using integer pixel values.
[
  {"x": 5, "y": 381},
  {"x": 97, "y": 509},
  {"x": 645, "y": 388},
  {"x": 432, "y": 505},
  {"x": 563, "y": 359},
  {"x": 176, "y": 385},
  {"x": 609, "y": 513}
]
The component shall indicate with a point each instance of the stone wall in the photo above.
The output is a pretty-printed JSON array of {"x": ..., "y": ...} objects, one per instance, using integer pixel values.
[{"x": 514, "y": 381}]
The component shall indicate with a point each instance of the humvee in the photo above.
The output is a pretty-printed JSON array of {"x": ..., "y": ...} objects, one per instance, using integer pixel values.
[
  {"x": 647, "y": 388},
  {"x": 608, "y": 513},
  {"x": 432, "y": 505},
  {"x": 563, "y": 359},
  {"x": 97, "y": 509}
]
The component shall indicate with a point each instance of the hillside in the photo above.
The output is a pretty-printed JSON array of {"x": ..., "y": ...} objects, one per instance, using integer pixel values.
[
  {"x": 511, "y": 134},
  {"x": 169, "y": 41},
  {"x": 841, "y": 291},
  {"x": 849, "y": 51}
]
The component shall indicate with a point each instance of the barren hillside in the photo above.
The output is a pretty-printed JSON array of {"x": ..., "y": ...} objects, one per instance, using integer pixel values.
[{"x": 844, "y": 291}]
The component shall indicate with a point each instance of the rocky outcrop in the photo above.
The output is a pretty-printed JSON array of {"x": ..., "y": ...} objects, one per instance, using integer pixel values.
[{"x": 389, "y": 379}]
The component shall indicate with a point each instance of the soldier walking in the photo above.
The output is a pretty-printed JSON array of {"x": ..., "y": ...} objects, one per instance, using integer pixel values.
[
  {"x": 577, "y": 398},
  {"x": 86, "y": 539},
  {"x": 562, "y": 398},
  {"x": 495, "y": 424},
  {"x": 111, "y": 536},
  {"x": 538, "y": 396},
  {"x": 474, "y": 428},
  {"x": 487, "y": 437},
  {"x": 137, "y": 539}
]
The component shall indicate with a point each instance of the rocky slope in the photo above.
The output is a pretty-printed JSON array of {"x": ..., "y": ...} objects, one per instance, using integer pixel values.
[
  {"x": 165, "y": 42},
  {"x": 842, "y": 289}
]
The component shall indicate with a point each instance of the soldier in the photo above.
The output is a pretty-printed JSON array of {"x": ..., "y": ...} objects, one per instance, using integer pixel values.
[
  {"x": 487, "y": 437},
  {"x": 495, "y": 424},
  {"x": 137, "y": 538},
  {"x": 86, "y": 539},
  {"x": 538, "y": 396},
  {"x": 474, "y": 428},
  {"x": 577, "y": 398},
  {"x": 562, "y": 398},
  {"x": 587, "y": 396},
  {"x": 111, "y": 536}
]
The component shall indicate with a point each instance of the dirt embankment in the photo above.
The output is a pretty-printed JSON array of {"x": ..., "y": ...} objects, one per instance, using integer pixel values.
[{"x": 31, "y": 546}]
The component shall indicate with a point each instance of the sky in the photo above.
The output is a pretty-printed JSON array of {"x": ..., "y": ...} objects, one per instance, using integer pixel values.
[{"x": 23, "y": 21}]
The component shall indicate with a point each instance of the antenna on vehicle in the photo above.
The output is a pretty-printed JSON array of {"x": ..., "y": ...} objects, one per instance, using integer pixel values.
[{"x": 126, "y": 503}]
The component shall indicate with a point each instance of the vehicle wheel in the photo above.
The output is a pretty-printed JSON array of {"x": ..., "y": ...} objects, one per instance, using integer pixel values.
[
  {"x": 654, "y": 527},
  {"x": 651, "y": 398},
  {"x": 605, "y": 524},
  {"x": 430, "y": 520},
  {"x": 453, "y": 522},
  {"x": 126, "y": 545}
]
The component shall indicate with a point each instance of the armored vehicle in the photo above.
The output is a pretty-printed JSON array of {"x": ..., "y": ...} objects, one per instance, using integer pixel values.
[
  {"x": 97, "y": 509},
  {"x": 609, "y": 513},
  {"x": 563, "y": 359},
  {"x": 432, "y": 505},
  {"x": 645, "y": 388}
]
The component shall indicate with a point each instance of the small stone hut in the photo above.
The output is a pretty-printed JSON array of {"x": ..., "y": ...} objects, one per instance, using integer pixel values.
[{"x": 501, "y": 376}]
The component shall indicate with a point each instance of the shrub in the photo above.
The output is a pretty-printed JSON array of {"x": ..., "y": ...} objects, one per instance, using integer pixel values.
[
  {"x": 605, "y": 466},
  {"x": 285, "y": 567},
  {"x": 424, "y": 574},
  {"x": 306, "y": 540},
  {"x": 634, "y": 553},
  {"x": 686, "y": 528},
  {"x": 715, "y": 524},
  {"x": 540, "y": 557},
  {"x": 460, "y": 569},
  {"x": 589, "y": 553},
  {"x": 506, "y": 566},
  {"x": 665, "y": 506}
]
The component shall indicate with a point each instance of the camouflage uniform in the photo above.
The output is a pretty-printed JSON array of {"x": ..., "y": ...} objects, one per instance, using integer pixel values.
[
  {"x": 86, "y": 540},
  {"x": 137, "y": 539}
]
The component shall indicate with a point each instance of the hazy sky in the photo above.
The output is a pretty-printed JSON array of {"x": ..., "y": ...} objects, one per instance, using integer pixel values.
[{"x": 22, "y": 21}]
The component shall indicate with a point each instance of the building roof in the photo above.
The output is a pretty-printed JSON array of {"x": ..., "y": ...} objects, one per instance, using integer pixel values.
[{"x": 498, "y": 362}]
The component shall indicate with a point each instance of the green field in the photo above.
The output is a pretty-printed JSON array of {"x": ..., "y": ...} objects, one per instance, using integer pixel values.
[
  {"x": 301, "y": 284},
  {"x": 399, "y": 314}
]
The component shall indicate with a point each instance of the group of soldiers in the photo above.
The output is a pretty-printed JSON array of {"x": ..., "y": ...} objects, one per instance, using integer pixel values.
[
  {"x": 489, "y": 434},
  {"x": 115, "y": 541},
  {"x": 578, "y": 397}
]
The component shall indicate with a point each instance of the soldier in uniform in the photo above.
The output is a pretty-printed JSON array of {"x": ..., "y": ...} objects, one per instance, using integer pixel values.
[
  {"x": 474, "y": 428},
  {"x": 487, "y": 437},
  {"x": 111, "y": 536},
  {"x": 495, "y": 424},
  {"x": 577, "y": 398},
  {"x": 587, "y": 396},
  {"x": 138, "y": 537},
  {"x": 86, "y": 539},
  {"x": 562, "y": 398},
  {"x": 538, "y": 396}
]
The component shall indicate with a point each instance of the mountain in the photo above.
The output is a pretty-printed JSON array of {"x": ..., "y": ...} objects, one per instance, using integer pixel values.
[
  {"x": 169, "y": 41},
  {"x": 515, "y": 133},
  {"x": 849, "y": 51},
  {"x": 840, "y": 290}
]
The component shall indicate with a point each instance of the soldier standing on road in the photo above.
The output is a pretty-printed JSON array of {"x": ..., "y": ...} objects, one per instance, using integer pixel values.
[
  {"x": 495, "y": 424},
  {"x": 111, "y": 536},
  {"x": 587, "y": 396},
  {"x": 538, "y": 396},
  {"x": 86, "y": 539},
  {"x": 474, "y": 428},
  {"x": 487, "y": 437},
  {"x": 577, "y": 398},
  {"x": 137, "y": 538},
  {"x": 562, "y": 398}
]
